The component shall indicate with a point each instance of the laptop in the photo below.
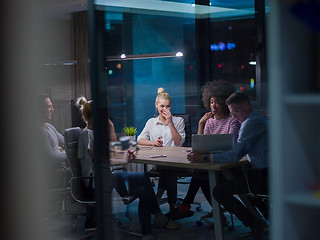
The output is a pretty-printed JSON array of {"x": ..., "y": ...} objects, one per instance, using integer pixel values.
[{"x": 208, "y": 143}]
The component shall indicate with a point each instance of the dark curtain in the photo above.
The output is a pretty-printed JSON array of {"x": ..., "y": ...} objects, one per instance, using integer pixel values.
[{"x": 81, "y": 77}]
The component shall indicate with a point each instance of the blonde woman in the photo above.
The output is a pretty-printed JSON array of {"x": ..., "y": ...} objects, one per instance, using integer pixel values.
[
  {"x": 139, "y": 184},
  {"x": 164, "y": 130}
]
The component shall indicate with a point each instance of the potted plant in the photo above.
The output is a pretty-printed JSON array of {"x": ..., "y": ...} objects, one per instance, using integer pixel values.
[{"x": 130, "y": 131}]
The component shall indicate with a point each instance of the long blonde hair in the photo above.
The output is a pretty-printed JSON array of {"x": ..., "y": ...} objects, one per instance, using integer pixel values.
[
  {"x": 162, "y": 94},
  {"x": 85, "y": 108}
]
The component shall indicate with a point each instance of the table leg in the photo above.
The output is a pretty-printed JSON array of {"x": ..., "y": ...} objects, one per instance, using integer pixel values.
[{"x": 216, "y": 208}]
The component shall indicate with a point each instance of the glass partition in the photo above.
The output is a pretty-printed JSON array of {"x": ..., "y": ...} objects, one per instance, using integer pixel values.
[
  {"x": 140, "y": 46},
  {"x": 217, "y": 41}
]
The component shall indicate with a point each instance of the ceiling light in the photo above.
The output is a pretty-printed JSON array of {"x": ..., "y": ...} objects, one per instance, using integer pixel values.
[
  {"x": 144, "y": 56},
  {"x": 179, "y": 54}
]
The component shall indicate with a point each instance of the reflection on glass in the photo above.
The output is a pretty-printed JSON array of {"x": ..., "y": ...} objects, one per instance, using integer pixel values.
[{"x": 140, "y": 32}]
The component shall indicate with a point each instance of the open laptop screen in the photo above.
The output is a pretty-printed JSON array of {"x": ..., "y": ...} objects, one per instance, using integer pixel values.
[{"x": 208, "y": 143}]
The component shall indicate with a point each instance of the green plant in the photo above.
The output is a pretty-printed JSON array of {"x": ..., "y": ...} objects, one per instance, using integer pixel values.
[{"x": 130, "y": 131}]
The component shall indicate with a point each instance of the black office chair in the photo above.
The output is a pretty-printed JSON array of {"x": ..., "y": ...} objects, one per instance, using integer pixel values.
[
  {"x": 59, "y": 187},
  {"x": 264, "y": 198},
  {"x": 79, "y": 191},
  {"x": 187, "y": 127}
]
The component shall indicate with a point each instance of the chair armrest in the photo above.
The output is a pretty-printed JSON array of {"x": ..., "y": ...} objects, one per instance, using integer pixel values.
[{"x": 76, "y": 178}]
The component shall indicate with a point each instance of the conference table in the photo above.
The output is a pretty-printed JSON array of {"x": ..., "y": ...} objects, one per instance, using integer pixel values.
[{"x": 177, "y": 157}]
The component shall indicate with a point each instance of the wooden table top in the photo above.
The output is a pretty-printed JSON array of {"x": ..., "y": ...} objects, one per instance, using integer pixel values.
[{"x": 177, "y": 157}]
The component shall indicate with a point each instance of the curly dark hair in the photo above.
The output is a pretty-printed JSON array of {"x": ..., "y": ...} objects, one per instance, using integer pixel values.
[{"x": 217, "y": 89}]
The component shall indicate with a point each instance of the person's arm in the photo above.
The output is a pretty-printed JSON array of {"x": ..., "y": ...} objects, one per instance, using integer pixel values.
[
  {"x": 146, "y": 142},
  {"x": 234, "y": 129},
  {"x": 249, "y": 133},
  {"x": 59, "y": 136},
  {"x": 143, "y": 138},
  {"x": 176, "y": 137},
  {"x": 60, "y": 139},
  {"x": 59, "y": 157},
  {"x": 112, "y": 132},
  {"x": 203, "y": 121}
]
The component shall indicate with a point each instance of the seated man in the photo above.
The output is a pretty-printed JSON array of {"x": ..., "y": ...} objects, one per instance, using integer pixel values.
[
  {"x": 52, "y": 145},
  {"x": 253, "y": 141}
]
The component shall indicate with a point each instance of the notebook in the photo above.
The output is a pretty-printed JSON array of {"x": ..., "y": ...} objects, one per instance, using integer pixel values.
[{"x": 208, "y": 143}]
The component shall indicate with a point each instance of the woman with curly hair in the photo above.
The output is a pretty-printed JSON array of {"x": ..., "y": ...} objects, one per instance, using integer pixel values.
[{"x": 217, "y": 121}]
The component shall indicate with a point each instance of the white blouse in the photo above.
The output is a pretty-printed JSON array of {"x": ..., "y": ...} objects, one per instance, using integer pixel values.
[
  {"x": 85, "y": 143},
  {"x": 154, "y": 129}
]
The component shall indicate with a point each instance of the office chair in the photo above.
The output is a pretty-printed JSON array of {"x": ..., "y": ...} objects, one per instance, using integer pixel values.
[
  {"x": 265, "y": 198},
  {"x": 187, "y": 127},
  {"x": 77, "y": 187},
  {"x": 62, "y": 189},
  {"x": 79, "y": 191}
]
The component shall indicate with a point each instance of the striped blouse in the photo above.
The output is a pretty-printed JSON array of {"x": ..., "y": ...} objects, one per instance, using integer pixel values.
[{"x": 222, "y": 126}]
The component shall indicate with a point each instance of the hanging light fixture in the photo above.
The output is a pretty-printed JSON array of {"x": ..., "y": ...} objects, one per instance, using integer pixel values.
[{"x": 124, "y": 57}]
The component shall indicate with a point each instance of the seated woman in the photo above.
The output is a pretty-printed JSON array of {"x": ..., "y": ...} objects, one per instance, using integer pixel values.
[
  {"x": 217, "y": 121},
  {"x": 139, "y": 184},
  {"x": 164, "y": 130}
]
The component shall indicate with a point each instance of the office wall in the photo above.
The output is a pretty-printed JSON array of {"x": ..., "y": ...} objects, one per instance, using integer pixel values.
[
  {"x": 157, "y": 35},
  {"x": 58, "y": 77}
]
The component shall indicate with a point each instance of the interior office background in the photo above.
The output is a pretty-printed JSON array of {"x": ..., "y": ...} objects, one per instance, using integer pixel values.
[
  {"x": 24, "y": 34},
  {"x": 229, "y": 45}
]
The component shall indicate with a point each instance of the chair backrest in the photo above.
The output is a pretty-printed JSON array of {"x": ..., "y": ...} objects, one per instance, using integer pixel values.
[
  {"x": 71, "y": 136},
  {"x": 78, "y": 189},
  {"x": 187, "y": 128}
]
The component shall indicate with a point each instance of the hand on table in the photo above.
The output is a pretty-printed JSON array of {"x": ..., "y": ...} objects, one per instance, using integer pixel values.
[
  {"x": 130, "y": 155},
  {"x": 158, "y": 143},
  {"x": 196, "y": 157}
]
